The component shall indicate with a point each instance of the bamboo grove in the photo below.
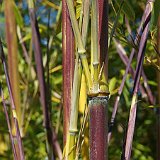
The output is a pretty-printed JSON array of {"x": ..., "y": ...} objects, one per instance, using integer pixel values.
[{"x": 80, "y": 79}]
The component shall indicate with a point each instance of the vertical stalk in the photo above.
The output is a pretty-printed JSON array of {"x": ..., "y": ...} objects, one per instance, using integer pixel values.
[
  {"x": 103, "y": 36},
  {"x": 158, "y": 78},
  {"x": 74, "y": 110},
  {"x": 98, "y": 104},
  {"x": 86, "y": 13},
  {"x": 9, "y": 125},
  {"x": 18, "y": 146},
  {"x": 11, "y": 39},
  {"x": 80, "y": 45},
  {"x": 53, "y": 145},
  {"x": 75, "y": 27},
  {"x": 94, "y": 47},
  {"x": 84, "y": 17},
  {"x": 132, "y": 115},
  {"x": 126, "y": 61},
  {"x": 71, "y": 145},
  {"x": 143, "y": 22},
  {"x": 68, "y": 67},
  {"x": 98, "y": 127},
  {"x": 13, "y": 55}
]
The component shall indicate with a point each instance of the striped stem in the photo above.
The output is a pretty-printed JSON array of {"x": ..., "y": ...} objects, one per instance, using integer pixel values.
[
  {"x": 132, "y": 116},
  {"x": 11, "y": 38},
  {"x": 80, "y": 45},
  {"x": 9, "y": 125},
  {"x": 68, "y": 67},
  {"x": 98, "y": 127},
  {"x": 19, "y": 146},
  {"x": 144, "y": 19},
  {"x": 94, "y": 46}
]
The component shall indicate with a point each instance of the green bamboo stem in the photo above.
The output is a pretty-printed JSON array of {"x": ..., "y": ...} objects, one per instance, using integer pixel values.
[
  {"x": 80, "y": 46},
  {"x": 86, "y": 70},
  {"x": 86, "y": 13},
  {"x": 80, "y": 21},
  {"x": 72, "y": 144},
  {"x": 70, "y": 150},
  {"x": 94, "y": 48},
  {"x": 75, "y": 97},
  {"x": 75, "y": 27}
]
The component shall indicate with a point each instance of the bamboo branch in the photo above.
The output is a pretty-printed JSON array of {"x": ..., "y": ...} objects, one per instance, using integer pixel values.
[
  {"x": 78, "y": 38},
  {"x": 8, "y": 123},
  {"x": 144, "y": 19},
  {"x": 19, "y": 147},
  {"x": 132, "y": 116}
]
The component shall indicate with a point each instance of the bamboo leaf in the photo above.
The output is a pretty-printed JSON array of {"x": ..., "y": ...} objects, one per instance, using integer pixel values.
[
  {"x": 112, "y": 84},
  {"x": 115, "y": 24},
  {"x": 156, "y": 12},
  {"x": 18, "y": 16},
  {"x": 127, "y": 9}
]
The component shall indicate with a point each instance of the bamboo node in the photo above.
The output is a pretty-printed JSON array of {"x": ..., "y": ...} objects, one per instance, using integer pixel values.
[
  {"x": 73, "y": 131},
  {"x": 14, "y": 113}
]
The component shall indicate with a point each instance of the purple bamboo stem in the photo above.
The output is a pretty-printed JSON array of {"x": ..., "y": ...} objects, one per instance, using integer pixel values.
[
  {"x": 132, "y": 116},
  {"x": 18, "y": 136},
  {"x": 9, "y": 125},
  {"x": 125, "y": 60},
  {"x": 54, "y": 146},
  {"x": 68, "y": 67},
  {"x": 103, "y": 32},
  {"x": 144, "y": 18},
  {"x": 98, "y": 127}
]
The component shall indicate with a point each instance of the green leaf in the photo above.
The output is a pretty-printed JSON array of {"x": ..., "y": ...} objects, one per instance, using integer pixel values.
[
  {"x": 112, "y": 84},
  {"x": 156, "y": 12},
  {"x": 18, "y": 16},
  {"x": 127, "y": 9}
]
